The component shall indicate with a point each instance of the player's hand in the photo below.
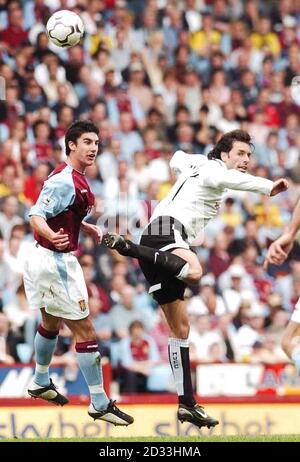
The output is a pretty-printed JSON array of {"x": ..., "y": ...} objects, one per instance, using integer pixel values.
[
  {"x": 279, "y": 250},
  {"x": 93, "y": 231},
  {"x": 60, "y": 240},
  {"x": 279, "y": 186}
]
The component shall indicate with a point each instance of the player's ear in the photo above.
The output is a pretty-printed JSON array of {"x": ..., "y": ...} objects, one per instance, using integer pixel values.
[
  {"x": 71, "y": 145},
  {"x": 224, "y": 156}
]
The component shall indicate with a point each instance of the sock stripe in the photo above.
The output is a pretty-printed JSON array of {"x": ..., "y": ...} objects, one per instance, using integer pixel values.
[
  {"x": 96, "y": 389},
  {"x": 176, "y": 365},
  {"x": 49, "y": 334},
  {"x": 86, "y": 347},
  {"x": 178, "y": 342},
  {"x": 42, "y": 369}
]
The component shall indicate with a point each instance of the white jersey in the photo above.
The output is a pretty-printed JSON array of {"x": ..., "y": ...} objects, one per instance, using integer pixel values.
[{"x": 196, "y": 196}]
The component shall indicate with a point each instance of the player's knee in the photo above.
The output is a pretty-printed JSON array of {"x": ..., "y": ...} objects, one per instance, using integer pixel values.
[
  {"x": 51, "y": 325},
  {"x": 88, "y": 336},
  {"x": 195, "y": 274},
  {"x": 85, "y": 333}
]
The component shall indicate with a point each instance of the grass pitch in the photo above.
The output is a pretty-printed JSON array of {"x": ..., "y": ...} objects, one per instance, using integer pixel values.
[{"x": 167, "y": 439}]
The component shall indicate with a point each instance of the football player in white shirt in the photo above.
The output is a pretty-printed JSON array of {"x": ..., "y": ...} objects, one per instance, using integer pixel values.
[{"x": 177, "y": 223}]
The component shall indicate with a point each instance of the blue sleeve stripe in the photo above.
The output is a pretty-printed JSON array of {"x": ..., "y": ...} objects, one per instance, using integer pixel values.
[{"x": 57, "y": 195}]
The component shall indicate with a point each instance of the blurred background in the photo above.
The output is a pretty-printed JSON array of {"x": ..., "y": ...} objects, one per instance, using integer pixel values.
[{"x": 156, "y": 76}]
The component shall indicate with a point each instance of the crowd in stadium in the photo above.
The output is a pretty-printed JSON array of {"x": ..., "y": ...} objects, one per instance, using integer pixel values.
[{"x": 155, "y": 76}]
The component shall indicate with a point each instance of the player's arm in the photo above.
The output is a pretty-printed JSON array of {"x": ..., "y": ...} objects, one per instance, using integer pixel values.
[
  {"x": 60, "y": 240},
  {"x": 92, "y": 230},
  {"x": 279, "y": 250},
  {"x": 57, "y": 194},
  {"x": 234, "y": 179},
  {"x": 294, "y": 226}
]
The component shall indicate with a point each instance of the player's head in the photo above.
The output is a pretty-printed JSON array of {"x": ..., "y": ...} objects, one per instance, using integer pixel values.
[
  {"x": 76, "y": 130},
  {"x": 234, "y": 149}
]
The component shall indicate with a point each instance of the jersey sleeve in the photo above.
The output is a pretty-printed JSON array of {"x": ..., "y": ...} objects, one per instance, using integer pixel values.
[
  {"x": 182, "y": 162},
  {"x": 57, "y": 195},
  {"x": 234, "y": 179}
]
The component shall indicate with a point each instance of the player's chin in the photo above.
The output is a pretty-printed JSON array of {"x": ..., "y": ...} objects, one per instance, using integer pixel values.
[{"x": 90, "y": 160}]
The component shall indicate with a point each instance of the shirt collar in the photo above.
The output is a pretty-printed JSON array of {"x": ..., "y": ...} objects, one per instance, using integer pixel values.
[{"x": 220, "y": 162}]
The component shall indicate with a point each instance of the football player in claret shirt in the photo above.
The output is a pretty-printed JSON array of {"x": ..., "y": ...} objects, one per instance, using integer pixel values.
[
  {"x": 53, "y": 277},
  {"x": 177, "y": 223}
]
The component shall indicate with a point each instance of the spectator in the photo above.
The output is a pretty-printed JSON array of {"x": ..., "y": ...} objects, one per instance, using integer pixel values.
[
  {"x": 8, "y": 341},
  {"x": 201, "y": 338},
  {"x": 109, "y": 159},
  {"x": 123, "y": 103},
  {"x": 137, "y": 87},
  {"x": 219, "y": 259},
  {"x": 34, "y": 183},
  {"x": 94, "y": 289},
  {"x": 33, "y": 99},
  {"x": 207, "y": 302},
  {"x": 102, "y": 324},
  {"x": 14, "y": 34},
  {"x": 250, "y": 332},
  {"x": 139, "y": 356},
  {"x": 233, "y": 295},
  {"x": 22, "y": 319},
  {"x": 124, "y": 313},
  {"x": 43, "y": 146},
  {"x": 8, "y": 216},
  {"x": 160, "y": 333}
]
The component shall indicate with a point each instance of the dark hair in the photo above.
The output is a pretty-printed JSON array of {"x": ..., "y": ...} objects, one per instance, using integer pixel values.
[
  {"x": 77, "y": 129},
  {"x": 37, "y": 124},
  {"x": 134, "y": 324},
  {"x": 180, "y": 108},
  {"x": 226, "y": 142}
]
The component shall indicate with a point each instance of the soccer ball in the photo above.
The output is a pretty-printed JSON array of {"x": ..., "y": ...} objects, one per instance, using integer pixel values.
[{"x": 65, "y": 28}]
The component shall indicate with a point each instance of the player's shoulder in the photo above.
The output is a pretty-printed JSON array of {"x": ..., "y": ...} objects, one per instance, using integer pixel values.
[
  {"x": 60, "y": 171},
  {"x": 61, "y": 176},
  {"x": 216, "y": 163},
  {"x": 63, "y": 167},
  {"x": 212, "y": 166}
]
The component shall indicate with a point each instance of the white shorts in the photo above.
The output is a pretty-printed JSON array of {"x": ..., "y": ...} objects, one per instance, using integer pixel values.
[
  {"x": 296, "y": 313},
  {"x": 54, "y": 281}
]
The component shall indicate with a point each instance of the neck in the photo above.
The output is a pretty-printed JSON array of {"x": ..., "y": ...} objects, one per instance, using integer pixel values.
[{"x": 76, "y": 165}]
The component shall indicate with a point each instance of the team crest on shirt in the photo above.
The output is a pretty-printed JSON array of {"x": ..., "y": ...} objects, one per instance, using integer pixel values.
[{"x": 82, "y": 305}]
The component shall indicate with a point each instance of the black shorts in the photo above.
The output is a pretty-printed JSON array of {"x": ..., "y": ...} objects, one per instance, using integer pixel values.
[{"x": 164, "y": 233}]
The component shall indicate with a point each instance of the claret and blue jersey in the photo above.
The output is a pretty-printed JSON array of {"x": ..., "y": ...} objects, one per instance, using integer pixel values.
[{"x": 64, "y": 201}]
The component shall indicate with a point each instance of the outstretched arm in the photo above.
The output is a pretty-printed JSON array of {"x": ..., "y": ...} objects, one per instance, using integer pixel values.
[
  {"x": 234, "y": 179},
  {"x": 279, "y": 250},
  {"x": 279, "y": 186}
]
